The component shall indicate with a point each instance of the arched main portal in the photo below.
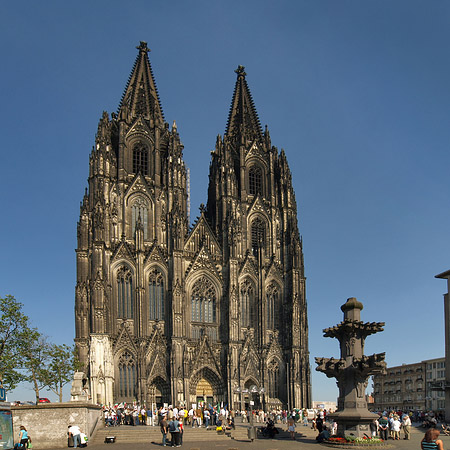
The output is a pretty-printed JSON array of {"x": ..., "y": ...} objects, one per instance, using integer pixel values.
[
  {"x": 206, "y": 387},
  {"x": 158, "y": 392}
]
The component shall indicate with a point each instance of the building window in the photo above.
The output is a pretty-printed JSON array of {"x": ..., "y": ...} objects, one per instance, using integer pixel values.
[
  {"x": 125, "y": 293},
  {"x": 156, "y": 295},
  {"x": 139, "y": 212},
  {"x": 255, "y": 180},
  {"x": 140, "y": 159},
  {"x": 127, "y": 376},
  {"x": 203, "y": 301},
  {"x": 247, "y": 296},
  {"x": 258, "y": 235},
  {"x": 272, "y": 305}
]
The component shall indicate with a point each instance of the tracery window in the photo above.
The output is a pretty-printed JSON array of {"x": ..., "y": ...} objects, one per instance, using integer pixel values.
[
  {"x": 272, "y": 307},
  {"x": 203, "y": 301},
  {"x": 140, "y": 159},
  {"x": 247, "y": 297},
  {"x": 156, "y": 295},
  {"x": 258, "y": 235},
  {"x": 127, "y": 375},
  {"x": 255, "y": 180},
  {"x": 139, "y": 211},
  {"x": 125, "y": 293}
]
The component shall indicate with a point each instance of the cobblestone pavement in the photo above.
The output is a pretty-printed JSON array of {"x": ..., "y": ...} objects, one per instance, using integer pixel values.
[{"x": 306, "y": 442}]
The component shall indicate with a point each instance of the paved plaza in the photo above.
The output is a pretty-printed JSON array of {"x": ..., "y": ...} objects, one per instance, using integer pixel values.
[{"x": 306, "y": 442}]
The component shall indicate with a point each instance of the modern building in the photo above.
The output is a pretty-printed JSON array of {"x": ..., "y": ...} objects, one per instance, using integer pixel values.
[
  {"x": 411, "y": 387},
  {"x": 169, "y": 312},
  {"x": 446, "y": 276}
]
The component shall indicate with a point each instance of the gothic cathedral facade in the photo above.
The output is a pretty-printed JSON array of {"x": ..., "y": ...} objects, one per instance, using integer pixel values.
[{"x": 169, "y": 312}]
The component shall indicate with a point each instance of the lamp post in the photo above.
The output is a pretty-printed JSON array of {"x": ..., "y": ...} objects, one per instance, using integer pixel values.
[{"x": 251, "y": 430}]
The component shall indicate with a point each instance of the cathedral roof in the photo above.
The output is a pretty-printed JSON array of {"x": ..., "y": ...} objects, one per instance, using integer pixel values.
[
  {"x": 243, "y": 118},
  {"x": 141, "y": 95}
]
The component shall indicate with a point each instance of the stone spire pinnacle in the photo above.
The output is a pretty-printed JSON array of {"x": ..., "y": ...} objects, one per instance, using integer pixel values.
[
  {"x": 243, "y": 119},
  {"x": 140, "y": 97}
]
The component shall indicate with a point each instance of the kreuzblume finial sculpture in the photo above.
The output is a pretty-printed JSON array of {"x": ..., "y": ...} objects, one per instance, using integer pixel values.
[{"x": 352, "y": 370}]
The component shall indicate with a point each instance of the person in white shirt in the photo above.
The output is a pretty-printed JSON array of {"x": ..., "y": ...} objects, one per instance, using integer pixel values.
[
  {"x": 406, "y": 425},
  {"x": 75, "y": 432}
]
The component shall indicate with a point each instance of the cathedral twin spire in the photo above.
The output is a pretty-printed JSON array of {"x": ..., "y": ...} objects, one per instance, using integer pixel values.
[{"x": 141, "y": 98}]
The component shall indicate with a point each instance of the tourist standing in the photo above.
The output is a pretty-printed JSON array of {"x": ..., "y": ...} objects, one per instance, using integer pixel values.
[
  {"x": 291, "y": 427},
  {"x": 406, "y": 425},
  {"x": 383, "y": 426},
  {"x": 163, "y": 425},
  {"x": 396, "y": 428},
  {"x": 174, "y": 429}
]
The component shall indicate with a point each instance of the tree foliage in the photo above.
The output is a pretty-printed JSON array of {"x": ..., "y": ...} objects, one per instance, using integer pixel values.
[
  {"x": 27, "y": 355},
  {"x": 62, "y": 362},
  {"x": 35, "y": 358},
  {"x": 14, "y": 335}
]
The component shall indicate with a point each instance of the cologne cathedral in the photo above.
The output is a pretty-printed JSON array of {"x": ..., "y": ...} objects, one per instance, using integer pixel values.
[{"x": 178, "y": 313}]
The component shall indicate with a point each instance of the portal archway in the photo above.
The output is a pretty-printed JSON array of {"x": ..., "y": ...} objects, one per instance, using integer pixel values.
[
  {"x": 158, "y": 392},
  {"x": 206, "y": 387}
]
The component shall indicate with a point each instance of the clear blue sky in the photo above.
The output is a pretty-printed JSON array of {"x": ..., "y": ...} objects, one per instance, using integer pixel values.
[{"x": 356, "y": 92}]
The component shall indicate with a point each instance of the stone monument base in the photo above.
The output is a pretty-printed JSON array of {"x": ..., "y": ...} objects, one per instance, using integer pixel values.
[{"x": 354, "y": 422}]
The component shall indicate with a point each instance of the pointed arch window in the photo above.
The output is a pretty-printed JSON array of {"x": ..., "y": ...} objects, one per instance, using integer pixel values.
[
  {"x": 127, "y": 376},
  {"x": 139, "y": 211},
  {"x": 203, "y": 301},
  {"x": 140, "y": 159},
  {"x": 258, "y": 230},
  {"x": 125, "y": 293},
  {"x": 272, "y": 307},
  {"x": 255, "y": 180},
  {"x": 247, "y": 297},
  {"x": 156, "y": 295}
]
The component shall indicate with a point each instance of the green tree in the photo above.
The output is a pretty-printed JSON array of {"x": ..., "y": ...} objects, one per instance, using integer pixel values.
[
  {"x": 35, "y": 358},
  {"x": 14, "y": 333},
  {"x": 62, "y": 362}
]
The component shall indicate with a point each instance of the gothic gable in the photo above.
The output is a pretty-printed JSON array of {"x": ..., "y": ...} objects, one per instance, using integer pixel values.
[
  {"x": 258, "y": 206},
  {"x": 203, "y": 261},
  {"x": 124, "y": 341},
  {"x": 139, "y": 128},
  {"x": 274, "y": 271},
  {"x": 200, "y": 235},
  {"x": 256, "y": 151},
  {"x": 249, "y": 266},
  {"x": 249, "y": 359},
  {"x": 205, "y": 357},
  {"x": 156, "y": 355},
  {"x": 274, "y": 351},
  {"x": 123, "y": 251},
  {"x": 138, "y": 185},
  {"x": 156, "y": 254}
]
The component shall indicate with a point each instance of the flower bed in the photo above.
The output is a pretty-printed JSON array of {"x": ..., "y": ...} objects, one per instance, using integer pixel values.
[{"x": 350, "y": 441}]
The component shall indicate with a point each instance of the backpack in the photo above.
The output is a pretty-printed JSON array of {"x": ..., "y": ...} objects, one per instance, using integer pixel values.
[{"x": 173, "y": 427}]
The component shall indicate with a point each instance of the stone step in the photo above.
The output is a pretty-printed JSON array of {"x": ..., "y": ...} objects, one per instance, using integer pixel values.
[{"x": 126, "y": 433}]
